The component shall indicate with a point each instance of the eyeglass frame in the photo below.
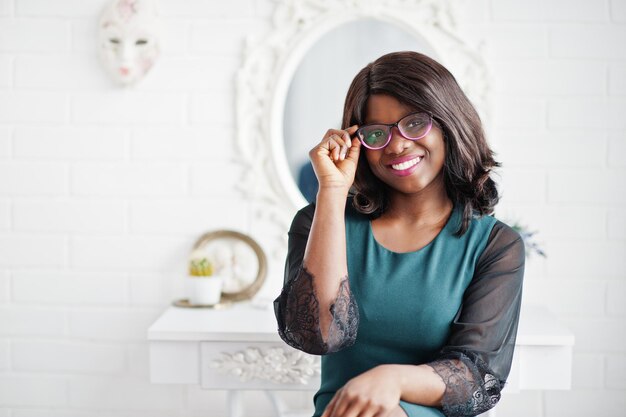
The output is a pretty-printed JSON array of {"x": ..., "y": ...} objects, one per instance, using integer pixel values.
[{"x": 391, "y": 126}]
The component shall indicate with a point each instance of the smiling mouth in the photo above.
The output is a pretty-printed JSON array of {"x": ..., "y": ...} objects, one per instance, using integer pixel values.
[{"x": 406, "y": 164}]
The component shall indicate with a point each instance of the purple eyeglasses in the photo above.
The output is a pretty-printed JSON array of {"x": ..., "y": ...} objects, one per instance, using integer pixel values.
[{"x": 413, "y": 126}]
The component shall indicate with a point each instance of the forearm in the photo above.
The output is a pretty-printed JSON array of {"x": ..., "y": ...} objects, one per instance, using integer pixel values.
[
  {"x": 420, "y": 384},
  {"x": 325, "y": 254},
  {"x": 461, "y": 387}
]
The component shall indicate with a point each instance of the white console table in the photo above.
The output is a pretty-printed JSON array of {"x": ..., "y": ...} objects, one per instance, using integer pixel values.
[{"x": 238, "y": 348}]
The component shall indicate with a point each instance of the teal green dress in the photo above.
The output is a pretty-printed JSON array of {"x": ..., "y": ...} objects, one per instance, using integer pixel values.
[{"x": 410, "y": 306}]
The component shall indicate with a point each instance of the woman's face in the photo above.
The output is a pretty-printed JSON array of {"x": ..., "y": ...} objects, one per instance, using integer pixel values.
[{"x": 405, "y": 165}]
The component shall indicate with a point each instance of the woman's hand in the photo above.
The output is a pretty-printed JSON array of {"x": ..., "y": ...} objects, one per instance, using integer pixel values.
[
  {"x": 373, "y": 393},
  {"x": 335, "y": 159}
]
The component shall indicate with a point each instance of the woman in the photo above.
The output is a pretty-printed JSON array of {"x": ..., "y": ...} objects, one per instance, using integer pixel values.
[{"x": 398, "y": 274}]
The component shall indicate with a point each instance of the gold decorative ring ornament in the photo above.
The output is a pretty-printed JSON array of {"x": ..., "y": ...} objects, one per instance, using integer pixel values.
[{"x": 235, "y": 257}]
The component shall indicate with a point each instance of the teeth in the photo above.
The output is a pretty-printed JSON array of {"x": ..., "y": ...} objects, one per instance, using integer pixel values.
[{"x": 407, "y": 164}]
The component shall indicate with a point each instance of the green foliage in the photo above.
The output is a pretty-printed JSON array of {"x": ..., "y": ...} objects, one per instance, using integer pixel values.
[{"x": 200, "y": 267}]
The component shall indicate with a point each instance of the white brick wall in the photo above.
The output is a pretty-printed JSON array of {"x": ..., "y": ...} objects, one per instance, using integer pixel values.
[
  {"x": 555, "y": 77},
  {"x": 132, "y": 107},
  {"x": 70, "y": 143},
  {"x": 618, "y": 11},
  {"x": 4, "y": 355},
  {"x": 21, "y": 178},
  {"x": 69, "y": 215},
  {"x": 27, "y": 107},
  {"x": 67, "y": 8},
  {"x": 587, "y": 402},
  {"x": 63, "y": 73},
  {"x": 208, "y": 36},
  {"x": 208, "y": 9},
  {"x": 615, "y": 370},
  {"x": 32, "y": 321},
  {"x": 128, "y": 179},
  {"x": 125, "y": 252},
  {"x": 198, "y": 143},
  {"x": 118, "y": 324},
  {"x": 17, "y": 250},
  {"x": 5, "y": 220},
  {"x": 36, "y": 391},
  {"x": 40, "y": 35},
  {"x": 601, "y": 41},
  {"x": 5, "y": 142},
  {"x": 123, "y": 394},
  {"x": 103, "y": 191},
  {"x": 6, "y": 70},
  {"x": 70, "y": 288},
  {"x": 44, "y": 356},
  {"x": 6, "y": 7},
  {"x": 4, "y": 286},
  {"x": 588, "y": 370}
]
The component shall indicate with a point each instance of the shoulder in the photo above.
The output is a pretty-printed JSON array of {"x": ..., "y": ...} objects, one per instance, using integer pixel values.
[
  {"x": 505, "y": 234},
  {"x": 504, "y": 242},
  {"x": 301, "y": 222}
]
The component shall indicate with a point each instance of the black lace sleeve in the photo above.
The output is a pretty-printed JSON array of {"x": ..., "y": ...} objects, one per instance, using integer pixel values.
[
  {"x": 476, "y": 360},
  {"x": 297, "y": 307}
]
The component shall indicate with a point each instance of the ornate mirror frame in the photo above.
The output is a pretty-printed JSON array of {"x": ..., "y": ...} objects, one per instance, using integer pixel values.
[{"x": 269, "y": 64}]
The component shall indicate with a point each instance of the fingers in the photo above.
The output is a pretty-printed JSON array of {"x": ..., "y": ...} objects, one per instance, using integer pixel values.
[
  {"x": 337, "y": 147},
  {"x": 339, "y": 406},
  {"x": 328, "y": 411},
  {"x": 354, "y": 151},
  {"x": 339, "y": 142}
]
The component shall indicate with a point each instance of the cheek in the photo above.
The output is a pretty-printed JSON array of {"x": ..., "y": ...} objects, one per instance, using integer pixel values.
[
  {"x": 372, "y": 157},
  {"x": 110, "y": 58},
  {"x": 148, "y": 56},
  {"x": 442, "y": 153}
]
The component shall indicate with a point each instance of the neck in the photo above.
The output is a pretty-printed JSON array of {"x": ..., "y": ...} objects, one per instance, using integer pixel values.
[{"x": 430, "y": 206}]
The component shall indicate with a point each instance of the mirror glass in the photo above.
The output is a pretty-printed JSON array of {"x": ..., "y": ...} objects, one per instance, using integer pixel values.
[{"x": 317, "y": 91}]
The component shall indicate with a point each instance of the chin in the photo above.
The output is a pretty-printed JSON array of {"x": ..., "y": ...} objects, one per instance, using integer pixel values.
[{"x": 411, "y": 184}]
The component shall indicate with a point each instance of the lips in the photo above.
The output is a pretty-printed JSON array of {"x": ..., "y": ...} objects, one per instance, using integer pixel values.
[{"x": 405, "y": 166}]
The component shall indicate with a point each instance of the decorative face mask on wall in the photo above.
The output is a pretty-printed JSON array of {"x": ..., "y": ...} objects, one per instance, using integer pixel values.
[{"x": 129, "y": 39}]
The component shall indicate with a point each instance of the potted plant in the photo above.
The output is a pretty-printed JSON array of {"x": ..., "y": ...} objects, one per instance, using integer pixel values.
[{"x": 205, "y": 288}]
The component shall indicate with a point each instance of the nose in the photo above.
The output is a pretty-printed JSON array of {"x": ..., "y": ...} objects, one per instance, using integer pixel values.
[
  {"x": 397, "y": 143},
  {"x": 126, "y": 52}
]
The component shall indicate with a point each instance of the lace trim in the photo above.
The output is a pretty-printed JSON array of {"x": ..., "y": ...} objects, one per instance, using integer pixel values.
[
  {"x": 471, "y": 387},
  {"x": 300, "y": 311}
]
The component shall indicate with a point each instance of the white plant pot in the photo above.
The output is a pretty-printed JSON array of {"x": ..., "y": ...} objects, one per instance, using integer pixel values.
[{"x": 204, "y": 290}]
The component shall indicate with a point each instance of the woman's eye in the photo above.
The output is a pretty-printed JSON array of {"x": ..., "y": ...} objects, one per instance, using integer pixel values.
[
  {"x": 372, "y": 137},
  {"x": 114, "y": 41},
  {"x": 141, "y": 42}
]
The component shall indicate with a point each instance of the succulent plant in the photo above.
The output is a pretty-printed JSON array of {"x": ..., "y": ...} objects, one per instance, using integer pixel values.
[{"x": 200, "y": 267}]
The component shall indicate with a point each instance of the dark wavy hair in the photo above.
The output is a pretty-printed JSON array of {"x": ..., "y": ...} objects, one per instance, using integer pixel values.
[{"x": 422, "y": 83}]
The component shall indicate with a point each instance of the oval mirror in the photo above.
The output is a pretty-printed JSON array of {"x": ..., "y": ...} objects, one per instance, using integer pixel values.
[{"x": 317, "y": 91}]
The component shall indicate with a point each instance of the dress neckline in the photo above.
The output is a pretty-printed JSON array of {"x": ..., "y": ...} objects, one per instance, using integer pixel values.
[{"x": 445, "y": 227}]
